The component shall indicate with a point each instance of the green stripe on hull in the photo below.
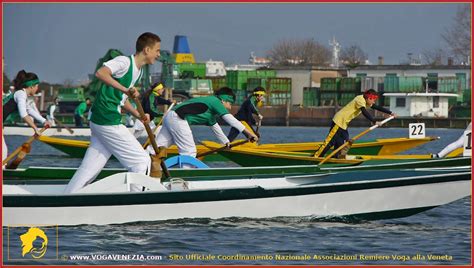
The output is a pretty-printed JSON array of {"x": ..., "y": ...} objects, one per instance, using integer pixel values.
[{"x": 368, "y": 150}]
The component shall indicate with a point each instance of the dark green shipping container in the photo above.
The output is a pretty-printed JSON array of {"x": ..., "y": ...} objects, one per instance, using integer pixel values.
[
  {"x": 240, "y": 96},
  {"x": 449, "y": 85},
  {"x": 217, "y": 82},
  {"x": 330, "y": 83},
  {"x": 350, "y": 84},
  {"x": 310, "y": 96},
  {"x": 346, "y": 97},
  {"x": 238, "y": 79},
  {"x": 327, "y": 98},
  {"x": 278, "y": 89},
  {"x": 411, "y": 84},
  {"x": 71, "y": 94},
  {"x": 391, "y": 83},
  {"x": 198, "y": 70}
]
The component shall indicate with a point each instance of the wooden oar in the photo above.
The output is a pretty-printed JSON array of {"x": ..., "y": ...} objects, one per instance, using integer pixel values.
[
  {"x": 151, "y": 136},
  {"x": 222, "y": 148},
  {"x": 147, "y": 142},
  {"x": 21, "y": 151},
  {"x": 354, "y": 139},
  {"x": 259, "y": 123},
  {"x": 61, "y": 125}
]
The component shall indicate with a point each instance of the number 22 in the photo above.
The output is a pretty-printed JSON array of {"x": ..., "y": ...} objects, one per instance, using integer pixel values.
[{"x": 420, "y": 130}]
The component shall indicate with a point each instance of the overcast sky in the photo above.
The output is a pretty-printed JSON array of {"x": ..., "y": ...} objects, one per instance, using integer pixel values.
[{"x": 64, "y": 41}]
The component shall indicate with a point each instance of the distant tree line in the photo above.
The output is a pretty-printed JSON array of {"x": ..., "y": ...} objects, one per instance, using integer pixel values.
[
  {"x": 299, "y": 52},
  {"x": 304, "y": 52}
]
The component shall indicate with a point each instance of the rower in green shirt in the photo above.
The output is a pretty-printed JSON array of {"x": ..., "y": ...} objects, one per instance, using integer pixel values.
[
  {"x": 108, "y": 136},
  {"x": 199, "y": 111},
  {"x": 80, "y": 111}
]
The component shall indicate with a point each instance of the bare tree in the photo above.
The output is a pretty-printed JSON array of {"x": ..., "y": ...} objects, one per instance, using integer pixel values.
[
  {"x": 435, "y": 57},
  {"x": 458, "y": 36},
  {"x": 281, "y": 52},
  {"x": 299, "y": 52},
  {"x": 353, "y": 56}
]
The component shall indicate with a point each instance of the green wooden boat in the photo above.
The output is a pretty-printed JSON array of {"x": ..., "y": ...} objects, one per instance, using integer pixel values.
[{"x": 54, "y": 174}]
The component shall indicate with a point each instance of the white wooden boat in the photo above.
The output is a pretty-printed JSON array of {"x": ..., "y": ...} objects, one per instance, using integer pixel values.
[
  {"x": 341, "y": 195},
  {"x": 53, "y": 131},
  {"x": 27, "y": 131}
]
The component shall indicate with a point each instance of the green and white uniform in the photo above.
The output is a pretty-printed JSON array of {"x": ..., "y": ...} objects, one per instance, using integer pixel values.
[
  {"x": 197, "y": 111},
  {"x": 50, "y": 115},
  {"x": 108, "y": 135},
  {"x": 19, "y": 102}
]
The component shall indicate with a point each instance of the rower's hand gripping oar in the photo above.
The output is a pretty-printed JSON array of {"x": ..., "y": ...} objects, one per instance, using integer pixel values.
[
  {"x": 61, "y": 125},
  {"x": 21, "y": 151},
  {"x": 354, "y": 139},
  {"x": 157, "y": 157},
  {"x": 147, "y": 142},
  {"x": 222, "y": 148}
]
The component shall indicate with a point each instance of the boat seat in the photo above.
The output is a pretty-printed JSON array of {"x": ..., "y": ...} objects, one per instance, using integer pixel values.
[
  {"x": 181, "y": 161},
  {"x": 120, "y": 183}
]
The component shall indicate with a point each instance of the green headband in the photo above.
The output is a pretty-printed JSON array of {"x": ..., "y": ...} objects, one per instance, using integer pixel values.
[
  {"x": 31, "y": 82},
  {"x": 227, "y": 98}
]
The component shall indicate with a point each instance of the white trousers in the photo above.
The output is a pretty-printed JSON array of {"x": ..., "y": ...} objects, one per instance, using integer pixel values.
[
  {"x": 50, "y": 119},
  {"x": 139, "y": 129},
  {"x": 177, "y": 131},
  {"x": 106, "y": 141},
  {"x": 459, "y": 143}
]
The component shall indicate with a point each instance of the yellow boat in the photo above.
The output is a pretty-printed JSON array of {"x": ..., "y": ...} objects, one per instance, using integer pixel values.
[{"x": 77, "y": 148}]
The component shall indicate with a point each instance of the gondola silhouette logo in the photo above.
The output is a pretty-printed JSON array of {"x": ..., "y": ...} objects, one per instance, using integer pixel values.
[{"x": 34, "y": 243}]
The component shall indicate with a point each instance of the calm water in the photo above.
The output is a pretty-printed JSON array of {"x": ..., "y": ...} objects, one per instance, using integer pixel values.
[{"x": 444, "y": 231}]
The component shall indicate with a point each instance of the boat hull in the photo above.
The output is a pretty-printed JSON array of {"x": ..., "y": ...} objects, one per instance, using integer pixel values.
[
  {"x": 56, "y": 173},
  {"x": 357, "y": 195},
  {"x": 28, "y": 131}
]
